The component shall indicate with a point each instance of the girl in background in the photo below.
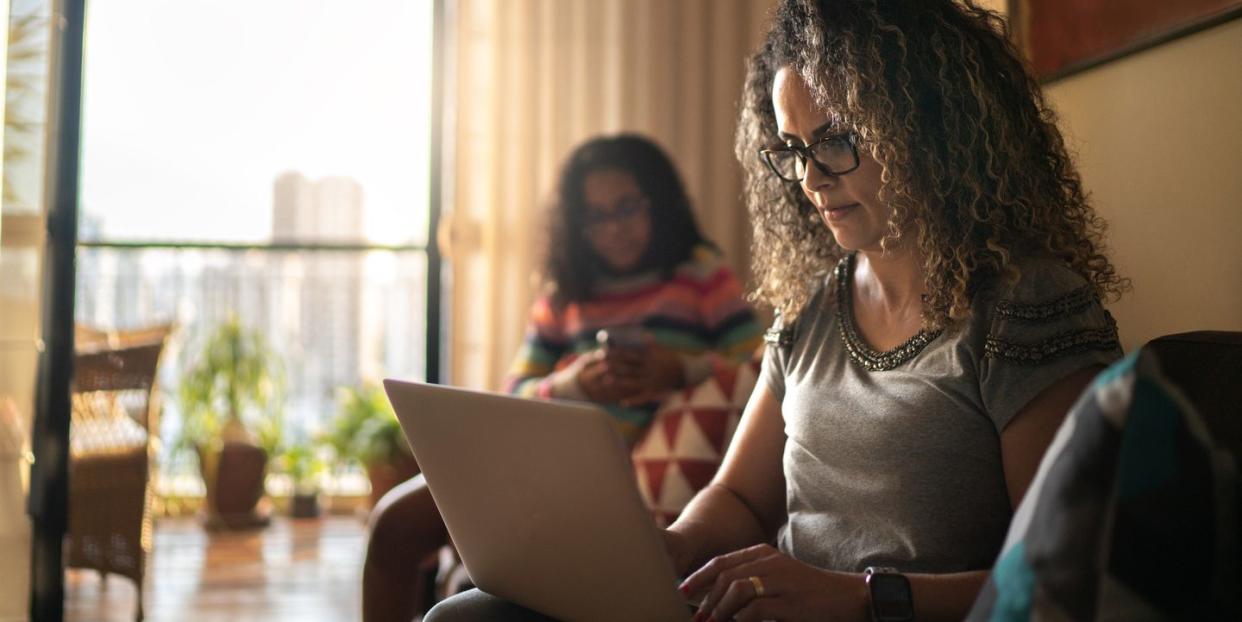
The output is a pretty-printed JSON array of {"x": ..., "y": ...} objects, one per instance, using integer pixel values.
[
  {"x": 626, "y": 258},
  {"x": 637, "y": 304}
]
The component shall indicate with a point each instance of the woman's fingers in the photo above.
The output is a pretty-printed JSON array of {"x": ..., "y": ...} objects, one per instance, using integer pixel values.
[
  {"x": 740, "y": 593},
  {"x": 761, "y": 583},
  {"x": 705, "y": 577},
  {"x": 761, "y": 609},
  {"x": 734, "y": 587}
]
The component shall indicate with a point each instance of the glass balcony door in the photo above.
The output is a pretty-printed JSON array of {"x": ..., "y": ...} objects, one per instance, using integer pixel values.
[{"x": 269, "y": 162}]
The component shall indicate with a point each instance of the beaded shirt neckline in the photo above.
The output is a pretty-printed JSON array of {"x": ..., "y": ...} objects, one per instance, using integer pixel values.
[{"x": 855, "y": 346}]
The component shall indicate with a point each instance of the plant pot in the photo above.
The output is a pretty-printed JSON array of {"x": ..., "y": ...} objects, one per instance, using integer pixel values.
[
  {"x": 304, "y": 505},
  {"x": 234, "y": 478},
  {"x": 385, "y": 476}
]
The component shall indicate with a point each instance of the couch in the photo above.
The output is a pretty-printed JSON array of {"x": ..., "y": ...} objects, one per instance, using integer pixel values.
[{"x": 1134, "y": 512}]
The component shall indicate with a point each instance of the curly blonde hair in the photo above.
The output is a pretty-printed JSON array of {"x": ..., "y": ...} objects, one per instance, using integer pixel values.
[{"x": 973, "y": 165}]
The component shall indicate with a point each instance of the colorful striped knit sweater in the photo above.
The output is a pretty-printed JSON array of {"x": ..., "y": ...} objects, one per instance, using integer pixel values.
[{"x": 699, "y": 313}]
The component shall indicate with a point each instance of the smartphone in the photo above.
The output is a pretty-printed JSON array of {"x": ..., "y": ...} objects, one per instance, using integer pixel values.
[{"x": 628, "y": 337}]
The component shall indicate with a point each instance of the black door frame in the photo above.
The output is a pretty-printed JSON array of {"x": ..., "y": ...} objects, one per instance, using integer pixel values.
[{"x": 49, "y": 476}]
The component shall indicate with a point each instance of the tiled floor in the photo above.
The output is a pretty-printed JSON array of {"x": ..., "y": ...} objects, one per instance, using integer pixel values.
[{"x": 304, "y": 570}]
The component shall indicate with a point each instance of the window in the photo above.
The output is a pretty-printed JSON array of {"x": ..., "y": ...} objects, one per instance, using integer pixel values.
[{"x": 268, "y": 161}]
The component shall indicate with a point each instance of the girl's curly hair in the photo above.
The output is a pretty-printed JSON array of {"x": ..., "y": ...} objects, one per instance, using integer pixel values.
[{"x": 974, "y": 168}]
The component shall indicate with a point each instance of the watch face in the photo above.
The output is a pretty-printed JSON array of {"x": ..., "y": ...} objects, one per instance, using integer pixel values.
[{"x": 890, "y": 597}]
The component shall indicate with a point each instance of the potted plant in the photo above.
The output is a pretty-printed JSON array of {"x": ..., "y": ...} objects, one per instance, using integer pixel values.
[
  {"x": 303, "y": 466},
  {"x": 366, "y": 431},
  {"x": 231, "y": 419}
]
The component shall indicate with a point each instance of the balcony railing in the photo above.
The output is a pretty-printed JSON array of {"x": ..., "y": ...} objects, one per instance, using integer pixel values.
[{"x": 337, "y": 315}]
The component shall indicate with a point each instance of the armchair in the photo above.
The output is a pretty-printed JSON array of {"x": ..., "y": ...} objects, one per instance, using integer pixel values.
[{"x": 114, "y": 422}]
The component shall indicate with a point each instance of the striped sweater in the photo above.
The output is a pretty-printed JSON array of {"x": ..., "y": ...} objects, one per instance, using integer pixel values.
[{"x": 699, "y": 312}]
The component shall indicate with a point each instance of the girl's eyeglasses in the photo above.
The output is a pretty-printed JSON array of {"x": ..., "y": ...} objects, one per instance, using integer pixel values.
[{"x": 623, "y": 212}]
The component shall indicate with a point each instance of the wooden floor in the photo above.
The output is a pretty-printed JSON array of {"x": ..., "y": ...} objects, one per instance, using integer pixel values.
[{"x": 304, "y": 570}]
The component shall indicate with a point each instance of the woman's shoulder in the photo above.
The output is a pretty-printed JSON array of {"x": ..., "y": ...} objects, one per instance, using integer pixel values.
[
  {"x": 1047, "y": 312},
  {"x": 821, "y": 306},
  {"x": 1039, "y": 288},
  {"x": 1036, "y": 329}
]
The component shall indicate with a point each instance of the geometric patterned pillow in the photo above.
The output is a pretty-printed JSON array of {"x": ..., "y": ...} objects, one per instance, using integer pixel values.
[
  {"x": 1132, "y": 515},
  {"x": 682, "y": 447}
]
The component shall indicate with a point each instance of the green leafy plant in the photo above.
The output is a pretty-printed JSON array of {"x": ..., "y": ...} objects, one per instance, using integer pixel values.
[
  {"x": 303, "y": 465},
  {"x": 365, "y": 429},
  {"x": 231, "y": 391}
]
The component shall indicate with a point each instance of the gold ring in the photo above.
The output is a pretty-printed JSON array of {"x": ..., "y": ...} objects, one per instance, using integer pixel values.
[{"x": 756, "y": 583}]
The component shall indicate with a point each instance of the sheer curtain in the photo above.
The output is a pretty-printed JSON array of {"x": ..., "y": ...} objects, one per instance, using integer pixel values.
[
  {"x": 528, "y": 80},
  {"x": 25, "y": 53}
]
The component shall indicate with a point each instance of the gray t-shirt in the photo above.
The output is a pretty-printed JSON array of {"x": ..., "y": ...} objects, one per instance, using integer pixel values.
[{"x": 894, "y": 459}]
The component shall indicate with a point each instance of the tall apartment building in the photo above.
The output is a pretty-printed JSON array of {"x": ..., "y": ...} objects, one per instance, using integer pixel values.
[{"x": 317, "y": 322}]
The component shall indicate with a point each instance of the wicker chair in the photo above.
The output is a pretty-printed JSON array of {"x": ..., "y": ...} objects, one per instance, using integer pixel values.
[{"x": 114, "y": 424}]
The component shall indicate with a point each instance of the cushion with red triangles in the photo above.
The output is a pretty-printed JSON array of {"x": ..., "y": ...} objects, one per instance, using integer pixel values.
[{"x": 680, "y": 451}]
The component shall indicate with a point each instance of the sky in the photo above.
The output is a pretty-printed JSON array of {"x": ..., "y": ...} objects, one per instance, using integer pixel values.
[{"x": 191, "y": 108}]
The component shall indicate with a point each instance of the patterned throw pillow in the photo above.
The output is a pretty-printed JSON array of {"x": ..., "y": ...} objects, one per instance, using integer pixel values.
[
  {"x": 1133, "y": 514},
  {"x": 682, "y": 447}
]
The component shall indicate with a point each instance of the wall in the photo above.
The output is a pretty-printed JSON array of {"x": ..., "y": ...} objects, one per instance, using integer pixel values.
[{"x": 1159, "y": 142}]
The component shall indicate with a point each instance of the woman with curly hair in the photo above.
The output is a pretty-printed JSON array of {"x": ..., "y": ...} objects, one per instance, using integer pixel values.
[{"x": 938, "y": 276}]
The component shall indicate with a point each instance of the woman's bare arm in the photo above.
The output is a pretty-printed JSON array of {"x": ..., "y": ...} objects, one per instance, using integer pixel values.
[{"x": 1027, "y": 436}]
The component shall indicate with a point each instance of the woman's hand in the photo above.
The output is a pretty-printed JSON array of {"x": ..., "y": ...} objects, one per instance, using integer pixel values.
[{"x": 761, "y": 583}]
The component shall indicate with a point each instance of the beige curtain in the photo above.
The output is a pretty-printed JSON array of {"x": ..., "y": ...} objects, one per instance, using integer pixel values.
[
  {"x": 528, "y": 80},
  {"x": 26, "y": 46}
]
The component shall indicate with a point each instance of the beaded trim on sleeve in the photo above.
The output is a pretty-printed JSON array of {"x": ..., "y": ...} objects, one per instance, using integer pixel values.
[
  {"x": 778, "y": 337},
  {"x": 857, "y": 349},
  {"x": 1059, "y": 345},
  {"x": 1064, "y": 344},
  {"x": 1072, "y": 303}
]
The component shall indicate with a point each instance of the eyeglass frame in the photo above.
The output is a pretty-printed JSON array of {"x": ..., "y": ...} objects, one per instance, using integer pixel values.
[
  {"x": 625, "y": 211},
  {"x": 805, "y": 152}
]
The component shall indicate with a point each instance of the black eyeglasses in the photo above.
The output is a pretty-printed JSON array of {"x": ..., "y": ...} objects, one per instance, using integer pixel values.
[
  {"x": 833, "y": 155},
  {"x": 625, "y": 211}
]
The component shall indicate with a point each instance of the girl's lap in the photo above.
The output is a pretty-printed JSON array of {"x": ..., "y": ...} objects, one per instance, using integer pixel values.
[{"x": 476, "y": 604}]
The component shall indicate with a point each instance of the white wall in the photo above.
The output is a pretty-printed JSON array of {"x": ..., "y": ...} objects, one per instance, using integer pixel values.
[{"x": 1159, "y": 142}]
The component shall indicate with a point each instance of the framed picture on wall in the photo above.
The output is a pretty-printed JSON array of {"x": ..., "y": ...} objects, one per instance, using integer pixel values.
[{"x": 1063, "y": 37}]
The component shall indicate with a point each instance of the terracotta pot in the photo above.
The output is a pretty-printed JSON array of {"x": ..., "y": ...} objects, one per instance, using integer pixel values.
[
  {"x": 234, "y": 478},
  {"x": 385, "y": 476}
]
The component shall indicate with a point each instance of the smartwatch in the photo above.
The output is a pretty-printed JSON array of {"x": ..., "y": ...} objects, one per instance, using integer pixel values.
[{"x": 889, "y": 591}]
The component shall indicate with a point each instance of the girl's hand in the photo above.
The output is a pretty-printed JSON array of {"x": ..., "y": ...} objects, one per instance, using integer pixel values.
[
  {"x": 761, "y": 583},
  {"x": 604, "y": 379},
  {"x": 655, "y": 371}
]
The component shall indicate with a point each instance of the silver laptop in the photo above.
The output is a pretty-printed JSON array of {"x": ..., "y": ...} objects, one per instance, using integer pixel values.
[{"x": 541, "y": 501}]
